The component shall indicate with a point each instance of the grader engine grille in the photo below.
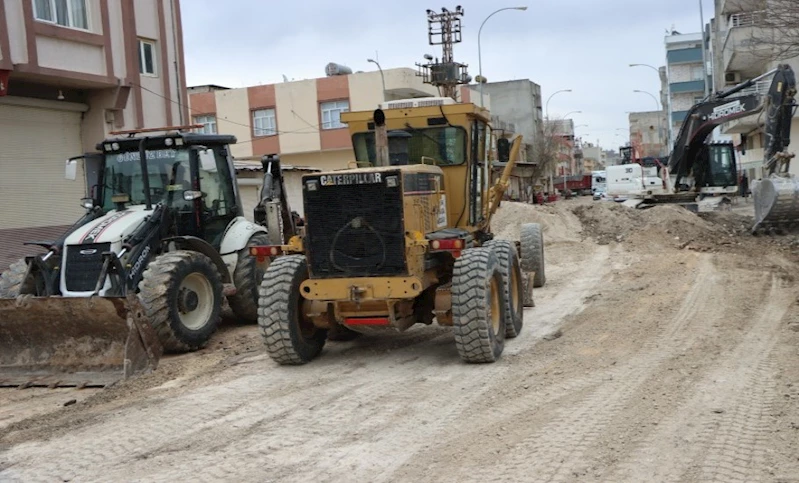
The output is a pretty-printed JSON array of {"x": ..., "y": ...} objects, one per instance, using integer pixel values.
[
  {"x": 355, "y": 224},
  {"x": 83, "y": 266}
]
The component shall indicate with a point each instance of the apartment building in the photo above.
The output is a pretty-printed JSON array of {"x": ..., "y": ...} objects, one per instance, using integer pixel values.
[
  {"x": 562, "y": 132},
  {"x": 739, "y": 56},
  {"x": 647, "y": 130},
  {"x": 71, "y": 71},
  {"x": 518, "y": 102},
  {"x": 686, "y": 78},
  {"x": 300, "y": 120}
]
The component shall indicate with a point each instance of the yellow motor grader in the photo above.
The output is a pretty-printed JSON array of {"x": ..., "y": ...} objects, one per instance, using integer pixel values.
[{"x": 403, "y": 237}]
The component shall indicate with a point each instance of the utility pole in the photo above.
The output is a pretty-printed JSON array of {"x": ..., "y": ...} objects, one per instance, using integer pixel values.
[
  {"x": 444, "y": 29},
  {"x": 704, "y": 50}
]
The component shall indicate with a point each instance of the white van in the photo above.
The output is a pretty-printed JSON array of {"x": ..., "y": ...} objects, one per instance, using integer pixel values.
[{"x": 631, "y": 181}]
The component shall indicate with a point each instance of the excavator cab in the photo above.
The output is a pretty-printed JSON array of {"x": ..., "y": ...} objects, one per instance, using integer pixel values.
[{"x": 716, "y": 168}]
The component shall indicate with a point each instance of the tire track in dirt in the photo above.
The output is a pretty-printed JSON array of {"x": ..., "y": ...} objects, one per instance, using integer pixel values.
[
  {"x": 689, "y": 430},
  {"x": 243, "y": 425},
  {"x": 558, "y": 448}
]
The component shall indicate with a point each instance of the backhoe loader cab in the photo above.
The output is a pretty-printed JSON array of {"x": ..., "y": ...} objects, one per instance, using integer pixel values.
[
  {"x": 402, "y": 237},
  {"x": 162, "y": 241}
]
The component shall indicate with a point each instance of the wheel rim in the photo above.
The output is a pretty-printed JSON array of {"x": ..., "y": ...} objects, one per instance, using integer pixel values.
[
  {"x": 494, "y": 309},
  {"x": 195, "y": 301}
]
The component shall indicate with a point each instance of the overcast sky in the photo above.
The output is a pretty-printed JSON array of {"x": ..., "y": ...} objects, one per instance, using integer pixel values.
[{"x": 583, "y": 45}]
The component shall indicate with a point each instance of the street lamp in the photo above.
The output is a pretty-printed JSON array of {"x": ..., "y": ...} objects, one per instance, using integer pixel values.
[
  {"x": 570, "y": 113},
  {"x": 546, "y": 106},
  {"x": 479, "y": 52},
  {"x": 657, "y": 104},
  {"x": 658, "y": 110},
  {"x": 382, "y": 78},
  {"x": 647, "y": 65}
]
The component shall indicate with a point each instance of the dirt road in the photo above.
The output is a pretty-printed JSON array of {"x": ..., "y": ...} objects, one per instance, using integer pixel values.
[{"x": 663, "y": 348}]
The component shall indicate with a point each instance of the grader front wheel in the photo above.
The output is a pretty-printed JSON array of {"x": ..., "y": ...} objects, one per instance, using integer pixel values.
[
  {"x": 512, "y": 285},
  {"x": 290, "y": 337},
  {"x": 478, "y": 306}
]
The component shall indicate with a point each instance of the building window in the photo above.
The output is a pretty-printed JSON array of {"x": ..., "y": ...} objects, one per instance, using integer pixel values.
[
  {"x": 263, "y": 122},
  {"x": 147, "y": 57},
  {"x": 209, "y": 124},
  {"x": 697, "y": 73},
  {"x": 331, "y": 113},
  {"x": 67, "y": 13}
]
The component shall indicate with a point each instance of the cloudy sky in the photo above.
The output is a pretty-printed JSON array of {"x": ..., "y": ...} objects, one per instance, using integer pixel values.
[{"x": 583, "y": 45}]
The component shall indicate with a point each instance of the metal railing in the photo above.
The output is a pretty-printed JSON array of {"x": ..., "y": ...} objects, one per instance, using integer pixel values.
[{"x": 744, "y": 19}]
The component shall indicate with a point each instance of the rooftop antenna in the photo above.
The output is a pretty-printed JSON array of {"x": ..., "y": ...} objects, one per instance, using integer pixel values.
[{"x": 444, "y": 29}]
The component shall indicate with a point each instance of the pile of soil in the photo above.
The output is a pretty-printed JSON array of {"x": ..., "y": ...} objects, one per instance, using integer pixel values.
[
  {"x": 558, "y": 221},
  {"x": 667, "y": 224}
]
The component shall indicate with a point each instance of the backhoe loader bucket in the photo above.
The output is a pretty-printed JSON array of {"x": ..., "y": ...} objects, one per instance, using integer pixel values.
[
  {"x": 776, "y": 200},
  {"x": 84, "y": 342}
]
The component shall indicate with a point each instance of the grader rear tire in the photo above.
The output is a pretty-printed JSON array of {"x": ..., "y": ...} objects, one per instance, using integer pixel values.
[
  {"x": 532, "y": 252},
  {"x": 247, "y": 278},
  {"x": 181, "y": 292},
  {"x": 478, "y": 306},
  {"x": 290, "y": 338},
  {"x": 512, "y": 285}
]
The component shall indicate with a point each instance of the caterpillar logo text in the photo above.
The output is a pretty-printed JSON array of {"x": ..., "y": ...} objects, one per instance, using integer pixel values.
[{"x": 358, "y": 178}]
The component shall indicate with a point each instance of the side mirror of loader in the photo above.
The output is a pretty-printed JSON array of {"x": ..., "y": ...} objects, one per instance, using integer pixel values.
[
  {"x": 207, "y": 160},
  {"x": 71, "y": 169},
  {"x": 503, "y": 150}
]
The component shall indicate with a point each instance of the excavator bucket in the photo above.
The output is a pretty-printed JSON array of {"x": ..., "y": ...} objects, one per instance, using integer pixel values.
[
  {"x": 83, "y": 342},
  {"x": 776, "y": 200}
]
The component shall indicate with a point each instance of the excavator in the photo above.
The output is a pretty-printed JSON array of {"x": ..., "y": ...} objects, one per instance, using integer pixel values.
[{"x": 700, "y": 174}]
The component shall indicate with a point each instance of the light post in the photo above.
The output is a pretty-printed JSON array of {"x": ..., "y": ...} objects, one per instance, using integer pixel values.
[
  {"x": 479, "y": 52},
  {"x": 382, "y": 78},
  {"x": 647, "y": 65},
  {"x": 570, "y": 113},
  {"x": 546, "y": 106},
  {"x": 659, "y": 111}
]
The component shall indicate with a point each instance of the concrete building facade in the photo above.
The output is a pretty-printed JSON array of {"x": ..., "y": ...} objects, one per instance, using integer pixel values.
[
  {"x": 300, "y": 120},
  {"x": 685, "y": 71},
  {"x": 647, "y": 130},
  {"x": 71, "y": 71},
  {"x": 518, "y": 102}
]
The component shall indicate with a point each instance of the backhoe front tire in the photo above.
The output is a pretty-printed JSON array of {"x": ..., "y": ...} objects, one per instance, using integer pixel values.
[
  {"x": 512, "y": 285},
  {"x": 289, "y": 336},
  {"x": 532, "y": 252},
  {"x": 11, "y": 281},
  {"x": 478, "y": 306},
  {"x": 247, "y": 278},
  {"x": 181, "y": 292}
]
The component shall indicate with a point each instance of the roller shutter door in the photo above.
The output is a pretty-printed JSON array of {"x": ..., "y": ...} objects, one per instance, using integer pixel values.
[{"x": 34, "y": 143}]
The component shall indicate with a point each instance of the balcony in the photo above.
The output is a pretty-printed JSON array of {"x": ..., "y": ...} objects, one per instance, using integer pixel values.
[
  {"x": 727, "y": 7},
  {"x": 741, "y": 51},
  {"x": 690, "y": 86}
]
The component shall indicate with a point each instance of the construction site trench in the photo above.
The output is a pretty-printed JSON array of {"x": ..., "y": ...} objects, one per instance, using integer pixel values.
[{"x": 664, "y": 347}]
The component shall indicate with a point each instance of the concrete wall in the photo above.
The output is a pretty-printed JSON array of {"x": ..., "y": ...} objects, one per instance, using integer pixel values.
[{"x": 517, "y": 102}]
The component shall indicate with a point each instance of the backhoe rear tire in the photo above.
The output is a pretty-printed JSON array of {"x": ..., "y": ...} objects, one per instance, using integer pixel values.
[
  {"x": 478, "y": 306},
  {"x": 512, "y": 285},
  {"x": 11, "y": 281},
  {"x": 532, "y": 252},
  {"x": 289, "y": 336},
  {"x": 181, "y": 292},
  {"x": 247, "y": 278}
]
